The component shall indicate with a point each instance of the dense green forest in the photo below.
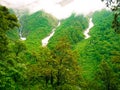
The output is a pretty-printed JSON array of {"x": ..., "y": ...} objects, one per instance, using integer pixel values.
[
  {"x": 69, "y": 62},
  {"x": 100, "y": 55},
  {"x": 34, "y": 27},
  {"x": 70, "y": 29}
]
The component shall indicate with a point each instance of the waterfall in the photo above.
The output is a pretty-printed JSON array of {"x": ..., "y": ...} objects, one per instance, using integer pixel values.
[
  {"x": 86, "y": 32},
  {"x": 46, "y": 39}
]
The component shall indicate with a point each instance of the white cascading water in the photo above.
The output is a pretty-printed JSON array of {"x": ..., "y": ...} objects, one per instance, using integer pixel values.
[
  {"x": 20, "y": 28},
  {"x": 86, "y": 33},
  {"x": 46, "y": 39},
  {"x": 21, "y": 37}
]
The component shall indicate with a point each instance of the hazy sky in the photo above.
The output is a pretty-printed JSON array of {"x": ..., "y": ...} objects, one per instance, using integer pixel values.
[{"x": 58, "y": 8}]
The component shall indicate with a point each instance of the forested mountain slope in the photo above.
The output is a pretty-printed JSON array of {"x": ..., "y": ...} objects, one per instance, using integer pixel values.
[
  {"x": 34, "y": 27},
  {"x": 101, "y": 52},
  {"x": 70, "y": 29},
  {"x": 69, "y": 62}
]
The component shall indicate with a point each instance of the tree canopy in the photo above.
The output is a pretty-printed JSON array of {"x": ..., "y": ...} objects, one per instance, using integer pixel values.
[{"x": 114, "y": 5}]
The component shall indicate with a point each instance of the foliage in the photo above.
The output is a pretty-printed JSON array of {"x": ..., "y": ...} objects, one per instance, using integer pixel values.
[
  {"x": 10, "y": 70},
  {"x": 114, "y": 5},
  {"x": 71, "y": 28},
  {"x": 93, "y": 63},
  {"x": 34, "y": 27},
  {"x": 102, "y": 46},
  {"x": 107, "y": 78},
  {"x": 57, "y": 69}
]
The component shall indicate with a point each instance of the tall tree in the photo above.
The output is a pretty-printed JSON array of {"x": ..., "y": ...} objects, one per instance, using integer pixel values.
[
  {"x": 7, "y": 70},
  {"x": 106, "y": 78},
  {"x": 116, "y": 66},
  {"x": 7, "y": 22},
  {"x": 68, "y": 74},
  {"x": 57, "y": 68}
]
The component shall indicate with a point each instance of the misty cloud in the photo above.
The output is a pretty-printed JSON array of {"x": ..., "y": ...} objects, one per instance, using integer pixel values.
[{"x": 58, "y": 8}]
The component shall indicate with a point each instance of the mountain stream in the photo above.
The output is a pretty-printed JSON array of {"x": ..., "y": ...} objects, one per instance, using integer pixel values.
[
  {"x": 86, "y": 32},
  {"x": 46, "y": 39}
]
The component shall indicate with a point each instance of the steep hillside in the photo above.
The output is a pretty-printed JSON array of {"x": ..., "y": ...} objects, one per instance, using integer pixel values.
[
  {"x": 70, "y": 62},
  {"x": 40, "y": 25},
  {"x": 34, "y": 27},
  {"x": 103, "y": 45},
  {"x": 70, "y": 29}
]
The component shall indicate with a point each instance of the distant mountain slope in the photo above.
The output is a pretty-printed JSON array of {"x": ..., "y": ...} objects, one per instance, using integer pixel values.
[
  {"x": 35, "y": 27},
  {"x": 40, "y": 25},
  {"x": 102, "y": 44},
  {"x": 71, "y": 29}
]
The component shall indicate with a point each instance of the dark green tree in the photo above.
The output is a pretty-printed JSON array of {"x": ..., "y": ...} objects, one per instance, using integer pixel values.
[
  {"x": 67, "y": 69},
  {"x": 39, "y": 72},
  {"x": 8, "y": 66},
  {"x": 55, "y": 69},
  {"x": 114, "y": 5},
  {"x": 116, "y": 66},
  {"x": 106, "y": 78},
  {"x": 7, "y": 22}
]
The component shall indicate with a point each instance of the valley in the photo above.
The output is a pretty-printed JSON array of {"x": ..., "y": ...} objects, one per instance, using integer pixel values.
[
  {"x": 45, "y": 40},
  {"x": 40, "y": 52}
]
